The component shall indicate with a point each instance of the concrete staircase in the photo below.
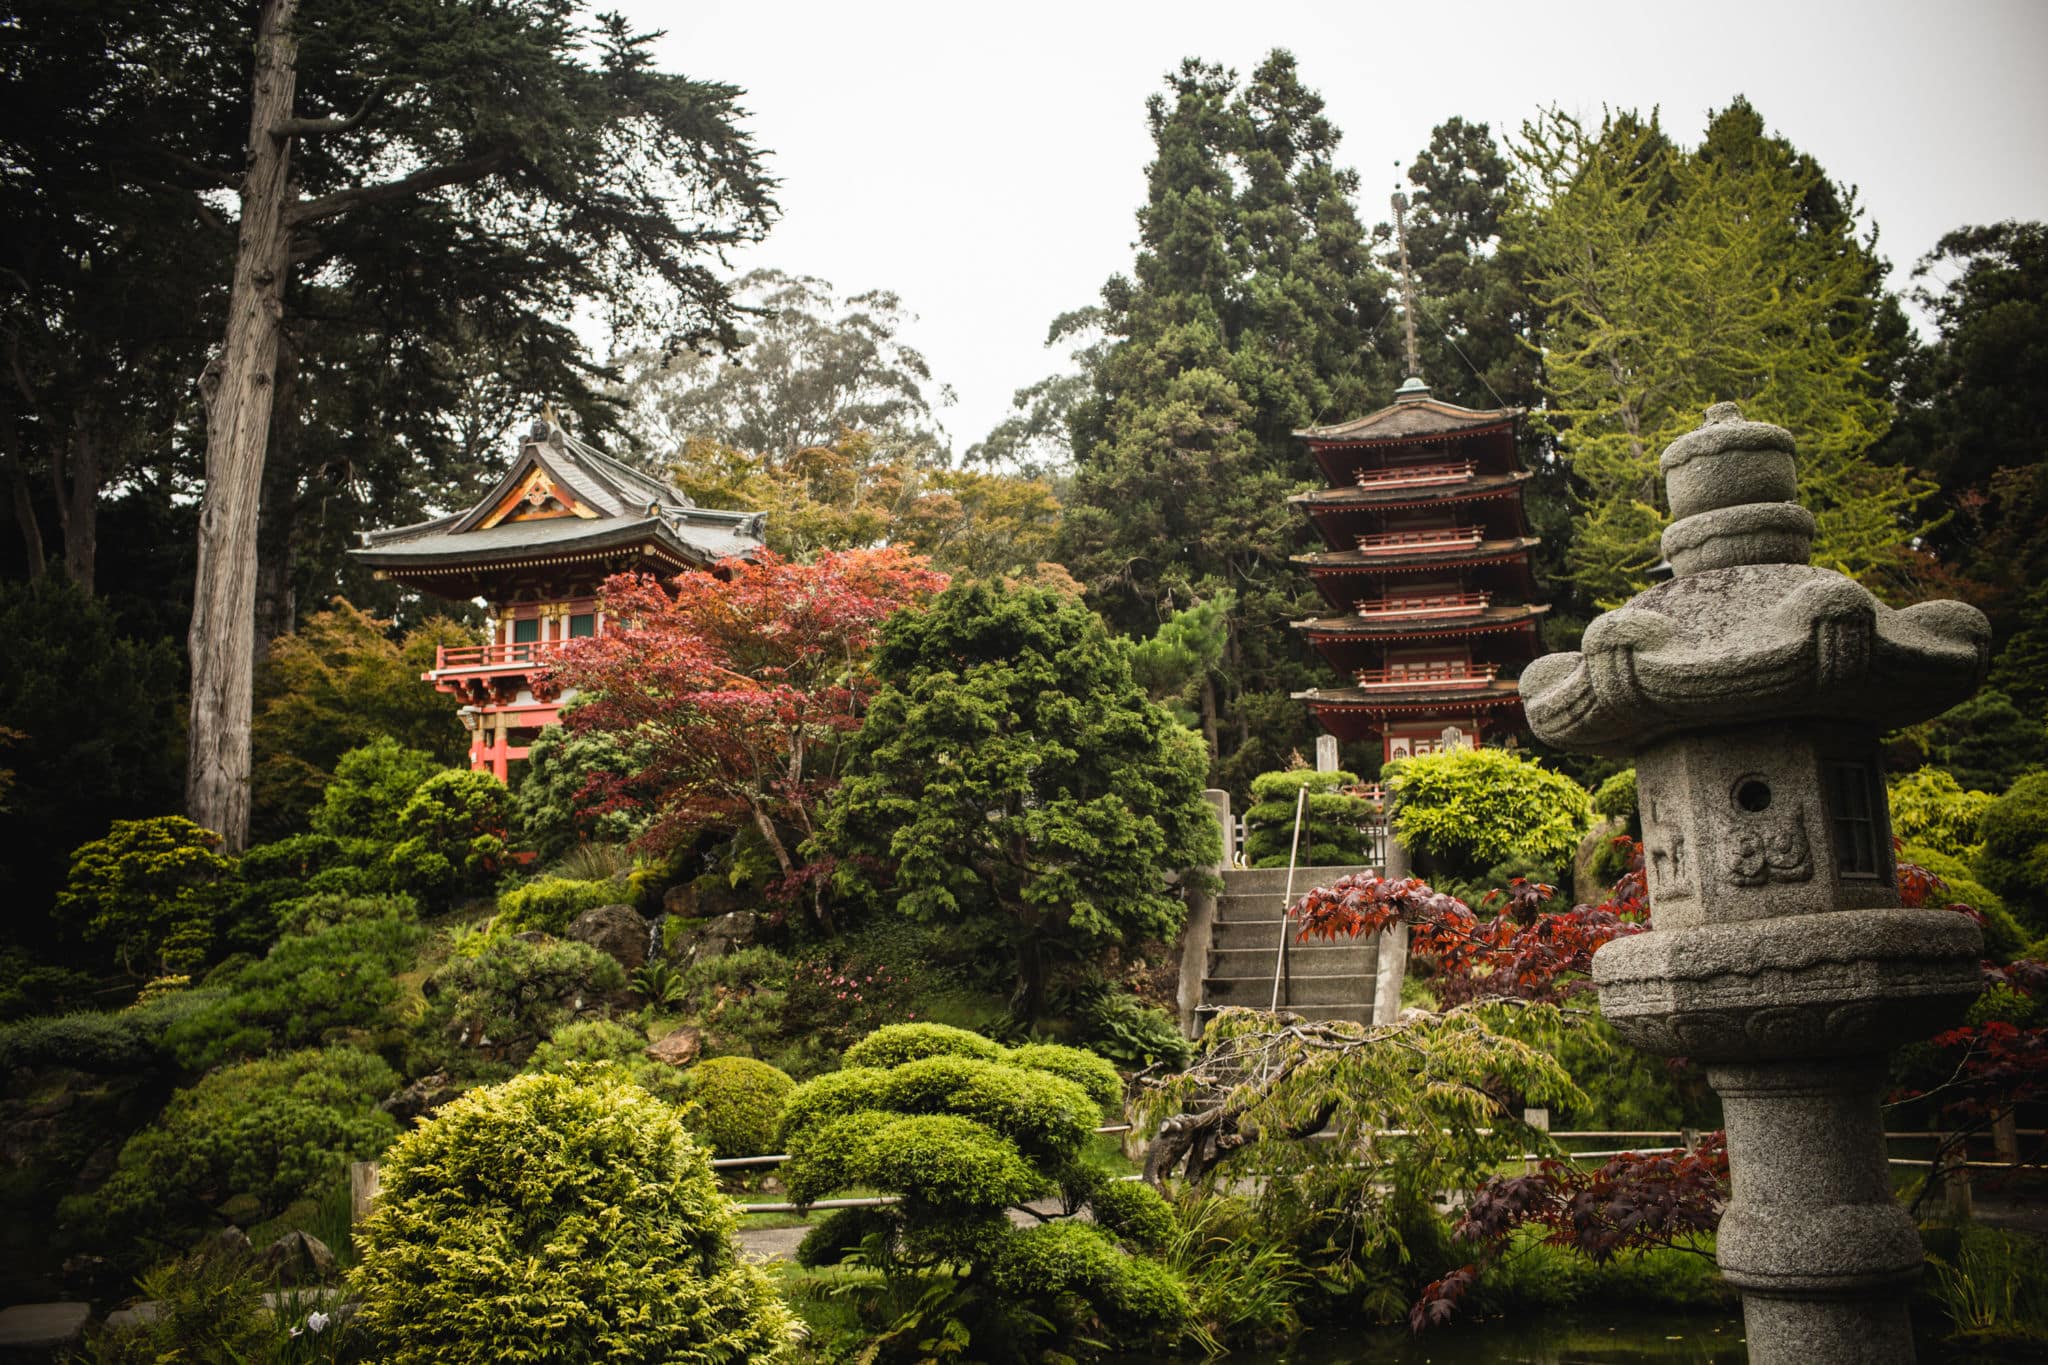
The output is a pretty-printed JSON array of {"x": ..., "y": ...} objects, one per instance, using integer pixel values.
[{"x": 1320, "y": 980}]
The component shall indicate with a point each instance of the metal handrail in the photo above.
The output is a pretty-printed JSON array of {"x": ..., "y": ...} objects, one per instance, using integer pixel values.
[{"x": 1287, "y": 899}]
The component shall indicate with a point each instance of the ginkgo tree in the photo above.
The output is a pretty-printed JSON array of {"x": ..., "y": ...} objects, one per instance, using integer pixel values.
[{"x": 741, "y": 686}]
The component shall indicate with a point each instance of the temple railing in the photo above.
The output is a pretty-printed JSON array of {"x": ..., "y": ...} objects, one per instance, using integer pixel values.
[
  {"x": 1415, "y": 475},
  {"x": 1446, "y": 674},
  {"x": 1425, "y": 604},
  {"x": 1435, "y": 538},
  {"x": 507, "y": 654}
]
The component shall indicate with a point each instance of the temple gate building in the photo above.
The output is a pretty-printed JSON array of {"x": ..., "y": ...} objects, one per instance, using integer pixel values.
[
  {"x": 562, "y": 519},
  {"x": 1426, "y": 571}
]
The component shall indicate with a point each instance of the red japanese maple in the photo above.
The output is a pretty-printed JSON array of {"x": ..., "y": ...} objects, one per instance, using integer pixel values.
[
  {"x": 736, "y": 687},
  {"x": 1521, "y": 951}
]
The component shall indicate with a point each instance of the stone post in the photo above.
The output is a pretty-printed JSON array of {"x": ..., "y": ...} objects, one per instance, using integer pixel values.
[
  {"x": 1750, "y": 690},
  {"x": 1326, "y": 753},
  {"x": 1200, "y": 932}
]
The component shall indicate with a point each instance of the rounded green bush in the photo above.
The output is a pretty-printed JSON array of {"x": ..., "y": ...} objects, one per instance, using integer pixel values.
[
  {"x": 831, "y": 1096},
  {"x": 2014, "y": 859},
  {"x": 1043, "y": 1264},
  {"x": 548, "y": 904},
  {"x": 739, "y": 1104},
  {"x": 559, "y": 1218},
  {"x": 1134, "y": 1211},
  {"x": 942, "y": 1161},
  {"x": 514, "y": 993},
  {"x": 1047, "y": 1117},
  {"x": 840, "y": 1233},
  {"x": 895, "y": 1044},
  {"x": 1616, "y": 797},
  {"x": 2004, "y": 939},
  {"x": 1471, "y": 811},
  {"x": 1078, "y": 1065},
  {"x": 1932, "y": 810}
]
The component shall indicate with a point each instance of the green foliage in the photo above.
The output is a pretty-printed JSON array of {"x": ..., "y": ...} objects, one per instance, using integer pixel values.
[
  {"x": 370, "y": 786},
  {"x": 111, "y": 1043},
  {"x": 1173, "y": 665},
  {"x": 150, "y": 891},
  {"x": 1134, "y": 1211},
  {"x": 943, "y": 1164},
  {"x": 1471, "y": 812},
  {"x": 490, "y": 1010},
  {"x": 1070, "y": 1266},
  {"x": 1986, "y": 743},
  {"x": 1615, "y": 798},
  {"x": 840, "y": 1233},
  {"x": 1242, "y": 1276},
  {"x": 1131, "y": 1033},
  {"x": 602, "y": 1041},
  {"x": 549, "y": 903},
  {"x": 2014, "y": 860},
  {"x": 1332, "y": 833},
  {"x": 94, "y": 722},
  {"x": 1078, "y": 1065},
  {"x": 739, "y": 1105},
  {"x": 1932, "y": 810},
  {"x": 275, "y": 880},
  {"x": 209, "y": 1307},
  {"x": 559, "y": 1217},
  {"x": 275, "y": 1129},
  {"x": 1991, "y": 1284},
  {"x": 342, "y": 679},
  {"x": 2004, "y": 939},
  {"x": 452, "y": 837},
  {"x": 338, "y": 978},
  {"x": 559, "y": 762},
  {"x": 1013, "y": 774},
  {"x": 1668, "y": 280},
  {"x": 895, "y": 1044}
]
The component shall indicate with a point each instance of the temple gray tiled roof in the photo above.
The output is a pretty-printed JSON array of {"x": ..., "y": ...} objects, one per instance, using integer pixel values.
[{"x": 621, "y": 507}]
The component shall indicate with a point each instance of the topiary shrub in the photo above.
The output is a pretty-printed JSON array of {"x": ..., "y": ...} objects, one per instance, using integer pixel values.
[
  {"x": 488, "y": 1010},
  {"x": 739, "y": 1104},
  {"x": 2004, "y": 938},
  {"x": 310, "y": 988},
  {"x": 559, "y": 1218},
  {"x": 1615, "y": 799},
  {"x": 2014, "y": 859},
  {"x": 1473, "y": 817},
  {"x": 895, "y": 1044},
  {"x": 1332, "y": 831},
  {"x": 273, "y": 1130},
  {"x": 1075, "y": 1275},
  {"x": 452, "y": 837},
  {"x": 1094, "y": 1075},
  {"x": 1931, "y": 810},
  {"x": 548, "y": 904},
  {"x": 150, "y": 892},
  {"x": 1134, "y": 1211}
]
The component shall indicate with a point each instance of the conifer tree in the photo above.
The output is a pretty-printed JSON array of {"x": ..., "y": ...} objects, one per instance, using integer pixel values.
[
  {"x": 1251, "y": 311},
  {"x": 1668, "y": 280}
]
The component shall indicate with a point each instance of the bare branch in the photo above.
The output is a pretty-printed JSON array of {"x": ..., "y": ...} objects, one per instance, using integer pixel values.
[
  {"x": 419, "y": 182},
  {"x": 313, "y": 127}
]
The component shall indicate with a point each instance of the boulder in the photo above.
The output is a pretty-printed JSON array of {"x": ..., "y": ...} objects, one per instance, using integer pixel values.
[
  {"x": 298, "y": 1258},
  {"x": 48, "y": 1330},
  {"x": 616, "y": 930},
  {"x": 718, "y": 937},
  {"x": 229, "y": 1244},
  {"x": 1588, "y": 886},
  {"x": 681, "y": 899},
  {"x": 679, "y": 1048},
  {"x": 420, "y": 1098}
]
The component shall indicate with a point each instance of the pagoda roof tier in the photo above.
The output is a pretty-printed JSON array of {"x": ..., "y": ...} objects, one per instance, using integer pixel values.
[
  {"x": 1413, "y": 416},
  {"x": 1394, "y": 559},
  {"x": 1351, "y": 713},
  {"x": 562, "y": 504},
  {"x": 1353, "y": 498},
  {"x": 1448, "y": 625}
]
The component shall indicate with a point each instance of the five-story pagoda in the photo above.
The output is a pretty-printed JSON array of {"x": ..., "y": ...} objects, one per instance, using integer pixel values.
[{"x": 1426, "y": 569}]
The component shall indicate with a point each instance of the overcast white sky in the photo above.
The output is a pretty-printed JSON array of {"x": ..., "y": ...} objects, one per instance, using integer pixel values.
[{"x": 984, "y": 161}]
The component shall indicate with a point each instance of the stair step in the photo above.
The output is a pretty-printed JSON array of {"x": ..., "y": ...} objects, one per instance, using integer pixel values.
[
  {"x": 1345, "y": 988},
  {"x": 1273, "y": 880},
  {"x": 1349, "y": 960}
]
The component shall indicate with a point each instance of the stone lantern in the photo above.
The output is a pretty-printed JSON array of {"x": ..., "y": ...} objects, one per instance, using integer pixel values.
[{"x": 1751, "y": 689}]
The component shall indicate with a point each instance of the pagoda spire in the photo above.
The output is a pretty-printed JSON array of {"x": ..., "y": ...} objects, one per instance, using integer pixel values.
[{"x": 1414, "y": 352}]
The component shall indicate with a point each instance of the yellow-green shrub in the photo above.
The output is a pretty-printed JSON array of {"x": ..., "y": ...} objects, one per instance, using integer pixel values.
[
  {"x": 559, "y": 1218},
  {"x": 895, "y": 1044},
  {"x": 739, "y": 1104}
]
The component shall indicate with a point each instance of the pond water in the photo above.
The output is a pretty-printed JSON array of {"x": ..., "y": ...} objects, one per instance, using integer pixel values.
[{"x": 1645, "y": 1339}]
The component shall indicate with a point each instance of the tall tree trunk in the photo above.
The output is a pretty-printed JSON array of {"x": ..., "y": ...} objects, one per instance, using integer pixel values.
[
  {"x": 237, "y": 387},
  {"x": 277, "y": 523},
  {"x": 75, "y": 482},
  {"x": 24, "y": 501}
]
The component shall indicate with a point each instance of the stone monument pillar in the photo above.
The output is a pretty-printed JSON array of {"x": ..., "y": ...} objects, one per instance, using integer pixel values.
[{"x": 1751, "y": 689}]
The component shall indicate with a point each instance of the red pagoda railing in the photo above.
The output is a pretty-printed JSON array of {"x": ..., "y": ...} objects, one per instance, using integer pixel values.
[
  {"x": 504, "y": 655},
  {"x": 1428, "y": 604},
  {"x": 1440, "y": 537},
  {"x": 1444, "y": 673},
  {"x": 1416, "y": 475}
]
